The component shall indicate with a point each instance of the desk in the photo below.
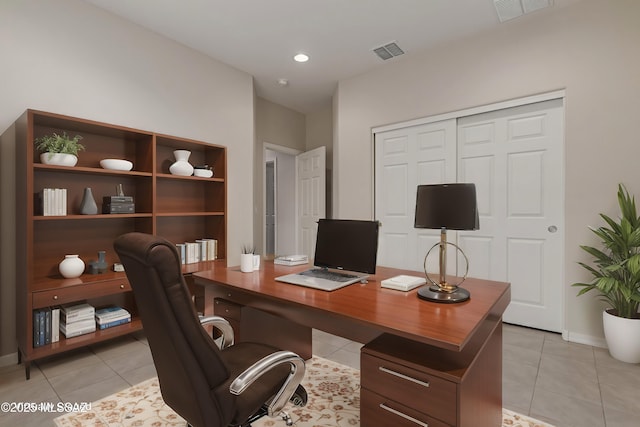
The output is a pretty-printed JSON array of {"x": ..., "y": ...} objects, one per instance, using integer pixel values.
[{"x": 460, "y": 343}]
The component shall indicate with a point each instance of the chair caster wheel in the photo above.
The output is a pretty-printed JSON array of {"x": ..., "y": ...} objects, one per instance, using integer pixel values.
[{"x": 299, "y": 397}]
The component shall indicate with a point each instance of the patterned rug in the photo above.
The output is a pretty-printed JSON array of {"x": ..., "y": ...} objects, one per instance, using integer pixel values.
[{"x": 334, "y": 401}]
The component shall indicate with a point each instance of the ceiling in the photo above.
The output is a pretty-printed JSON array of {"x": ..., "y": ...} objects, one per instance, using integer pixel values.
[{"x": 261, "y": 37}]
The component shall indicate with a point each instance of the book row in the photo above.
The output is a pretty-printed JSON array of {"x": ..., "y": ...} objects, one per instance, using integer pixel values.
[
  {"x": 200, "y": 250},
  {"x": 74, "y": 320},
  {"x": 53, "y": 201}
]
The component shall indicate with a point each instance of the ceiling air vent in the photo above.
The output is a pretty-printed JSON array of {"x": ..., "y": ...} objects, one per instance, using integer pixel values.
[
  {"x": 388, "y": 51},
  {"x": 509, "y": 9}
]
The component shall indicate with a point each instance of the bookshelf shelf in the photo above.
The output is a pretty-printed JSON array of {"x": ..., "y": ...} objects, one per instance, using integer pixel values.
[{"x": 181, "y": 209}]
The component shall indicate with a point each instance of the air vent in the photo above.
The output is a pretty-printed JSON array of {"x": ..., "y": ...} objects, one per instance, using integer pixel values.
[
  {"x": 509, "y": 9},
  {"x": 388, "y": 51}
]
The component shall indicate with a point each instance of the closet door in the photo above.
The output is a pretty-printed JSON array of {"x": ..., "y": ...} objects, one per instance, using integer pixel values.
[
  {"x": 515, "y": 158},
  {"x": 404, "y": 159}
]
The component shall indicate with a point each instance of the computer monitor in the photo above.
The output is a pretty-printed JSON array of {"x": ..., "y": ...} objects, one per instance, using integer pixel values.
[{"x": 347, "y": 244}]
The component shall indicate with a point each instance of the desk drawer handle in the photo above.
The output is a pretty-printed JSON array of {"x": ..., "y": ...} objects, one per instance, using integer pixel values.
[
  {"x": 403, "y": 415},
  {"x": 404, "y": 377}
]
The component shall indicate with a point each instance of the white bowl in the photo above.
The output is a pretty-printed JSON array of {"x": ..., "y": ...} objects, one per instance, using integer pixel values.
[
  {"x": 116, "y": 164},
  {"x": 203, "y": 173}
]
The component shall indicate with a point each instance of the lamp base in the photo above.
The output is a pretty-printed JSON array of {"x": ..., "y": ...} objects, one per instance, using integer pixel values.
[{"x": 434, "y": 294}]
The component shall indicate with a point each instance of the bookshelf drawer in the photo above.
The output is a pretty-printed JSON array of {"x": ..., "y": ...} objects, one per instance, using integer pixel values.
[{"x": 80, "y": 292}]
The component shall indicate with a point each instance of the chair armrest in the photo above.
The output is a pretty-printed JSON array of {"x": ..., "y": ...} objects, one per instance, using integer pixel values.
[
  {"x": 264, "y": 365},
  {"x": 222, "y": 325}
]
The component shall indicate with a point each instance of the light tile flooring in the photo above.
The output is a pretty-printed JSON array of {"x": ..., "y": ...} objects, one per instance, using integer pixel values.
[{"x": 568, "y": 385}]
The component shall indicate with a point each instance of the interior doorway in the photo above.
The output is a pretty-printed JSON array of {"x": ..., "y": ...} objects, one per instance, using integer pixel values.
[{"x": 279, "y": 201}]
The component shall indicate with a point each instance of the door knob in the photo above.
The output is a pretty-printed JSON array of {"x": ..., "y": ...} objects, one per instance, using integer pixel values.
[{"x": 552, "y": 229}]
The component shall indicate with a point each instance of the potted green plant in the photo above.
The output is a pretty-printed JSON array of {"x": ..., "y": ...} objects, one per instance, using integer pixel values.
[
  {"x": 616, "y": 278},
  {"x": 58, "y": 149}
]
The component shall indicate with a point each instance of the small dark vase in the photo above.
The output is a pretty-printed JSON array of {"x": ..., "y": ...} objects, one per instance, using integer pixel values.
[{"x": 88, "y": 205}]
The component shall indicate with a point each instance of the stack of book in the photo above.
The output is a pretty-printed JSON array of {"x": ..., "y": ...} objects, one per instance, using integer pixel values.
[
  {"x": 200, "y": 250},
  {"x": 77, "y": 319},
  {"x": 46, "y": 326},
  {"x": 53, "y": 201},
  {"x": 109, "y": 317}
]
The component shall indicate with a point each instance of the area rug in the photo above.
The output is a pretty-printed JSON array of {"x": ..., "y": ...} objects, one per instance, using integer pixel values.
[{"x": 334, "y": 401}]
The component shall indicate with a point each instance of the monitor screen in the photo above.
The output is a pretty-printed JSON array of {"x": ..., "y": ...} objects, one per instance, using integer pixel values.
[{"x": 347, "y": 245}]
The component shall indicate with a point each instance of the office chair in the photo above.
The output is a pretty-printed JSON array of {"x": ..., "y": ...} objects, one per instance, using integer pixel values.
[{"x": 206, "y": 385}]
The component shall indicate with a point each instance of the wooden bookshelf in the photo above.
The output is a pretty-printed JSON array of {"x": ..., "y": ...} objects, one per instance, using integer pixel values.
[{"x": 179, "y": 208}]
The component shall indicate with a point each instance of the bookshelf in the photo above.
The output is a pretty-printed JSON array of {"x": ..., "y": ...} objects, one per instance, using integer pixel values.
[{"x": 179, "y": 208}]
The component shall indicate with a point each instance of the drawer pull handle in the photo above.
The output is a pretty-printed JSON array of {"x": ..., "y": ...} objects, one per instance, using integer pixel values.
[
  {"x": 55, "y": 297},
  {"x": 121, "y": 286},
  {"x": 404, "y": 377},
  {"x": 403, "y": 415}
]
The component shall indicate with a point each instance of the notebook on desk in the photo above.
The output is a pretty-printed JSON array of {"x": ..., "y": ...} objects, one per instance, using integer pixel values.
[{"x": 345, "y": 253}]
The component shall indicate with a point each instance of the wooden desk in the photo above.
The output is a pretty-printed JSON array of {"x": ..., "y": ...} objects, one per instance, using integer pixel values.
[{"x": 459, "y": 343}]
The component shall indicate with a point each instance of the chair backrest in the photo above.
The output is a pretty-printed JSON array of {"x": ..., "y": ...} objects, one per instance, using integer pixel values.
[{"x": 187, "y": 360}]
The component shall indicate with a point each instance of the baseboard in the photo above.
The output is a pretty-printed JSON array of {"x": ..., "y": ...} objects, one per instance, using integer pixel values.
[
  {"x": 584, "y": 339},
  {"x": 9, "y": 359}
]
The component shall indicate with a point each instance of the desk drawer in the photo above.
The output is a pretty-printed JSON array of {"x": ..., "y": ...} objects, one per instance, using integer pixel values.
[
  {"x": 376, "y": 410},
  {"x": 425, "y": 393},
  {"x": 80, "y": 292}
]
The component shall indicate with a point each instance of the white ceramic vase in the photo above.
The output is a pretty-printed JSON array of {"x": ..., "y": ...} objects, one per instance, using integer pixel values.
[
  {"x": 71, "y": 267},
  {"x": 623, "y": 337},
  {"x": 181, "y": 166},
  {"x": 58, "y": 159}
]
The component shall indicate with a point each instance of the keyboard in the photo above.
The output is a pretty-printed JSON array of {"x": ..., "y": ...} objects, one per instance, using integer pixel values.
[{"x": 329, "y": 275}]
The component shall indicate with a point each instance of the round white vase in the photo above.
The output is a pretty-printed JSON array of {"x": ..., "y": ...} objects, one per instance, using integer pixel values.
[
  {"x": 71, "y": 267},
  {"x": 623, "y": 337},
  {"x": 58, "y": 159},
  {"x": 181, "y": 166}
]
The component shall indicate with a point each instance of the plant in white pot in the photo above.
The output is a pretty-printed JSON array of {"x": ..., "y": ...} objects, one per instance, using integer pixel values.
[
  {"x": 616, "y": 278},
  {"x": 61, "y": 150}
]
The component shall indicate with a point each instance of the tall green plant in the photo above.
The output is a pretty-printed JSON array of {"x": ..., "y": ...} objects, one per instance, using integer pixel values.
[{"x": 616, "y": 268}]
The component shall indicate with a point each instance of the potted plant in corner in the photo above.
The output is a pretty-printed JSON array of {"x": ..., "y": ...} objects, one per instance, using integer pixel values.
[
  {"x": 616, "y": 277},
  {"x": 61, "y": 150}
]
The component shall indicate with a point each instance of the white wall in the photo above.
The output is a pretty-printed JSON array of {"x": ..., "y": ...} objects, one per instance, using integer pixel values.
[
  {"x": 71, "y": 58},
  {"x": 589, "y": 49}
]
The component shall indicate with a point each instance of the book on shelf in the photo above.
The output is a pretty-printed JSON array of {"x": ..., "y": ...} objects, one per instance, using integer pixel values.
[
  {"x": 55, "y": 324},
  {"x": 200, "y": 250},
  {"x": 75, "y": 312},
  {"x": 113, "y": 323},
  {"x": 46, "y": 323},
  {"x": 76, "y": 328},
  {"x": 111, "y": 314},
  {"x": 53, "y": 201}
]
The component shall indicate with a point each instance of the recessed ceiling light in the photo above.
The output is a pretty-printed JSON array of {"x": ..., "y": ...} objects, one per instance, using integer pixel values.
[{"x": 301, "y": 57}]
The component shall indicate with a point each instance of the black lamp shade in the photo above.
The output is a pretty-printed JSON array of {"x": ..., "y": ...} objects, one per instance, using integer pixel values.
[{"x": 450, "y": 206}]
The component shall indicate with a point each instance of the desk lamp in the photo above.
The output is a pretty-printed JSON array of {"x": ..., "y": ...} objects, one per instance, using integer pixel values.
[{"x": 446, "y": 207}]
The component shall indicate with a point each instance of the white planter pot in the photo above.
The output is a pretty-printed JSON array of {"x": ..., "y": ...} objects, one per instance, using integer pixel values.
[
  {"x": 623, "y": 337},
  {"x": 58, "y": 159}
]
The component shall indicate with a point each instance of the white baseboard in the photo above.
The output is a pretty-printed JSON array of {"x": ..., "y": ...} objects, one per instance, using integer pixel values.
[
  {"x": 9, "y": 359},
  {"x": 584, "y": 339}
]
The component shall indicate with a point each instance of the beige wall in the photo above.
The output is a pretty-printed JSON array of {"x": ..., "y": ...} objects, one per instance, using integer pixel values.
[
  {"x": 320, "y": 133},
  {"x": 589, "y": 49},
  {"x": 69, "y": 57}
]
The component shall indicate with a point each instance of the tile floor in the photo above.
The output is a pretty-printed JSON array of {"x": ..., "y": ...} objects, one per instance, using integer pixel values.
[{"x": 568, "y": 385}]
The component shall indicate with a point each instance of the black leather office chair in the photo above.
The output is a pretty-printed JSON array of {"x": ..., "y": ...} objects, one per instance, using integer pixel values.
[{"x": 207, "y": 386}]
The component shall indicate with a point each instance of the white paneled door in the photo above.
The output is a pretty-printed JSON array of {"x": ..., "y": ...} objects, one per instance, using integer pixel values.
[
  {"x": 311, "y": 200},
  {"x": 515, "y": 158},
  {"x": 405, "y": 158}
]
